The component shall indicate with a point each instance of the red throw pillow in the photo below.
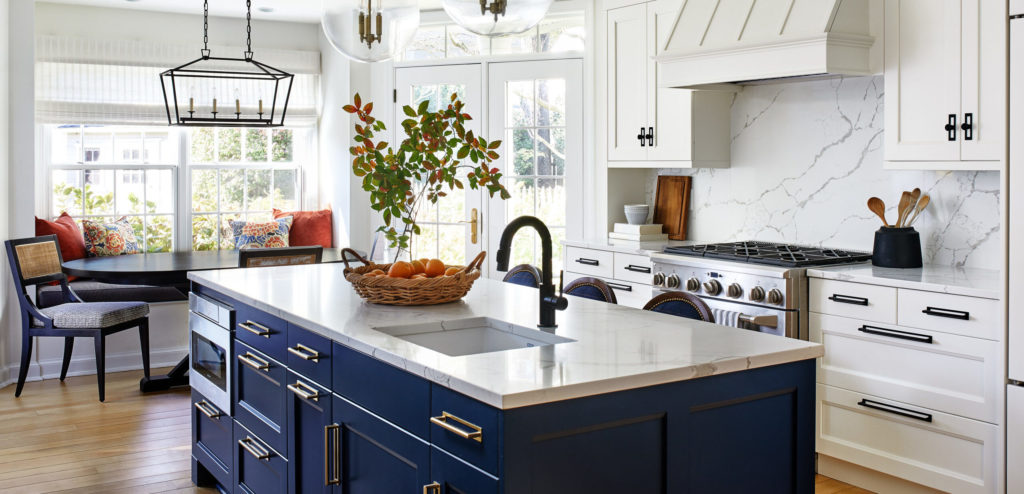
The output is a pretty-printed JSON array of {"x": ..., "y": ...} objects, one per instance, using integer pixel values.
[
  {"x": 309, "y": 227},
  {"x": 69, "y": 237}
]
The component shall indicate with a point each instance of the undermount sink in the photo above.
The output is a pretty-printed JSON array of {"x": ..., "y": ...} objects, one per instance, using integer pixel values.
[{"x": 471, "y": 336}]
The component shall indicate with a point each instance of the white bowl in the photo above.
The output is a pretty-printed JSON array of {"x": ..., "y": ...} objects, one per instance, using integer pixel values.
[{"x": 636, "y": 214}]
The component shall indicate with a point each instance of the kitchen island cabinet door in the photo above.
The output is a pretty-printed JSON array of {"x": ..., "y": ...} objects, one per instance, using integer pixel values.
[
  {"x": 311, "y": 438},
  {"x": 377, "y": 457},
  {"x": 454, "y": 476}
]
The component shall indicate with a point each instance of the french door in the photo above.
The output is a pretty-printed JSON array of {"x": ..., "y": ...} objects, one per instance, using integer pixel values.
[{"x": 536, "y": 109}]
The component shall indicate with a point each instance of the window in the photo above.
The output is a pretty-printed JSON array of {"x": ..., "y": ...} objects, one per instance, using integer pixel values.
[
  {"x": 92, "y": 182},
  {"x": 106, "y": 172},
  {"x": 239, "y": 174},
  {"x": 557, "y": 33}
]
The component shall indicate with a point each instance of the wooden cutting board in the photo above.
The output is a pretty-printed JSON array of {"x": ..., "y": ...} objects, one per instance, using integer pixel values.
[{"x": 672, "y": 205}]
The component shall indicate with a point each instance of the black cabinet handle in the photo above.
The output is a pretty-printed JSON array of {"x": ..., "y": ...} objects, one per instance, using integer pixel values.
[
  {"x": 950, "y": 313},
  {"x": 638, "y": 269},
  {"x": 588, "y": 262},
  {"x": 642, "y": 137},
  {"x": 893, "y": 333},
  {"x": 951, "y": 127},
  {"x": 650, "y": 136},
  {"x": 848, "y": 299},
  {"x": 616, "y": 286},
  {"x": 924, "y": 417},
  {"x": 968, "y": 126}
]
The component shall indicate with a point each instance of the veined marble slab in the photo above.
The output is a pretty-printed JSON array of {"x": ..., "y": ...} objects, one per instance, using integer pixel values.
[
  {"x": 972, "y": 282},
  {"x": 616, "y": 347}
]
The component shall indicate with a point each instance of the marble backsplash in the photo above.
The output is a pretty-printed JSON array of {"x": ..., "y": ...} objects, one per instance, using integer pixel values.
[{"x": 807, "y": 155}]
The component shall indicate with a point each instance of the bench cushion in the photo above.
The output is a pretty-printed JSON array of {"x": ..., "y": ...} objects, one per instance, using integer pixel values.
[
  {"x": 94, "y": 291},
  {"x": 94, "y": 314}
]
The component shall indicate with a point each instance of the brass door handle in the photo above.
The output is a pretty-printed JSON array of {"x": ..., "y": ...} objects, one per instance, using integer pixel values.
[
  {"x": 208, "y": 410},
  {"x": 253, "y": 361},
  {"x": 432, "y": 488},
  {"x": 475, "y": 433},
  {"x": 254, "y": 449},
  {"x": 334, "y": 479},
  {"x": 304, "y": 391},
  {"x": 255, "y": 328},
  {"x": 474, "y": 225},
  {"x": 304, "y": 352}
]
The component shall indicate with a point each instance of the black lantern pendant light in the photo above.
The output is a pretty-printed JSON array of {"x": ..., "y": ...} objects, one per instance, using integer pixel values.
[{"x": 191, "y": 90}]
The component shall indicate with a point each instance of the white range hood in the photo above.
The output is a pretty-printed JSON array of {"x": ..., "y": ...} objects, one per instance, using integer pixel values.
[{"x": 734, "y": 41}]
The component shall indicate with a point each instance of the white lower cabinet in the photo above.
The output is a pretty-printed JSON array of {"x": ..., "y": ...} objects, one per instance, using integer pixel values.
[
  {"x": 1014, "y": 438},
  {"x": 628, "y": 275},
  {"x": 627, "y": 293},
  {"x": 931, "y": 448}
]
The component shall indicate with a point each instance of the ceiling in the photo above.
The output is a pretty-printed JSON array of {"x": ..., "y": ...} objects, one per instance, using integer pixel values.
[{"x": 283, "y": 10}]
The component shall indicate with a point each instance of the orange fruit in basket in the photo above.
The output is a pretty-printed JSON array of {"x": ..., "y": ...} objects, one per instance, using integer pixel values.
[
  {"x": 434, "y": 268},
  {"x": 419, "y": 276},
  {"x": 400, "y": 269},
  {"x": 418, "y": 266},
  {"x": 424, "y": 261},
  {"x": 452, "y": 271},
  {"x": 376, "y": 272}
]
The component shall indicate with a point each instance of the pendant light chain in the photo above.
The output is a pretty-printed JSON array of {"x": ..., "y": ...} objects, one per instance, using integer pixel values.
[
  {"x": 206, "y": 29},
  {"x": 248, "y": 29}
]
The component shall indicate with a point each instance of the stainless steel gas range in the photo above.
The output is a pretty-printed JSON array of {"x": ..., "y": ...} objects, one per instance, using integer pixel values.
[{"x": 765, "y": 282}]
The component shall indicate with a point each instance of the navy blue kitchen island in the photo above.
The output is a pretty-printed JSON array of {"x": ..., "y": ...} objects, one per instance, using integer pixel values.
[{"x": 325, "y": 393}]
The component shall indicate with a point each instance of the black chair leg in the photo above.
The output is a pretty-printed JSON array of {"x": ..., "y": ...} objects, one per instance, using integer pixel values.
[
  {"x": 26, "y": 353},
  {"x": 100, "y": 363},
  {"x": 144, "y": 340},
  {"x": 69, "y": 344}
]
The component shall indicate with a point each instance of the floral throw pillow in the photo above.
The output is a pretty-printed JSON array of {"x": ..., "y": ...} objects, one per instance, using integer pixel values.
[
  {"x": 110, "y": 239},
  {"x": 256, "y": 234}
]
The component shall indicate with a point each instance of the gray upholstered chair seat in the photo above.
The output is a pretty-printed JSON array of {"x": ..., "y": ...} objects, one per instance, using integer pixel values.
[
  {"x": 95, "y": 291},
  {"x": 94, "y": 314}
]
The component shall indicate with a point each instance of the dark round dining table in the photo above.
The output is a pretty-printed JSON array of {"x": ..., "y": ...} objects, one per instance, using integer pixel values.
[{"x": 163, "y": 269}]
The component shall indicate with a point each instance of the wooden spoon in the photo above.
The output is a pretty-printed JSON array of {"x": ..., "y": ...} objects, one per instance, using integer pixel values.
[
  {"x": 903, "y": 208},
  {"x": 878, "y": 207},
  {"x": 923, "y": 203}
]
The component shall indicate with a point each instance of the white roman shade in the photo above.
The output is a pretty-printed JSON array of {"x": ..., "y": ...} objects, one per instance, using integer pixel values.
[{"x": 117, "y": 82}]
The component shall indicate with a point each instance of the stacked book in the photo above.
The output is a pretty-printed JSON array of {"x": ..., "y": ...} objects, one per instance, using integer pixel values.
[{"x": 625, "y": 232}]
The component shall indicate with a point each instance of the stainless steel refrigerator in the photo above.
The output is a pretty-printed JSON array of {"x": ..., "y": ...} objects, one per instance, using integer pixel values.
[{"x": 1015, "y": 339}]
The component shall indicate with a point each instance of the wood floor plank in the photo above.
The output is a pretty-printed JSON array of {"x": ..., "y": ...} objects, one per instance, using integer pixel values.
[{"x": 58, "y": 438}]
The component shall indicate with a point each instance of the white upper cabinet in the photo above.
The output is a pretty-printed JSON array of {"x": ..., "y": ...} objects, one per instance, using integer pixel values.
[
  {"x": 945, "y": 84},
  {"x": 650, "y": 126}
]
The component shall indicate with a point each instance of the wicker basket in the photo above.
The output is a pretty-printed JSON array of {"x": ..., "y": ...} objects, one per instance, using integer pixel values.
[{"x": 402, "y": 291}]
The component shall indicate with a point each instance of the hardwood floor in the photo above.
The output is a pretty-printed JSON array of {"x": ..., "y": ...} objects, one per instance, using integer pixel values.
[{"x": 59, "y": 438}]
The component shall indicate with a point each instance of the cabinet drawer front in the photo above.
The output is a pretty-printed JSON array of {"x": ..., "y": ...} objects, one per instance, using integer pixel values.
[
  {"x": 949, "y": 453},
  {"x": 628, "y": 294},
  {"x": 211, "y": 438},
  {"x": 453, "y": 417},
  {"x": 392, "y": 393},
  {"x": 260, "y": 395},
  {"x": 633, "y": 267},
  {"x": 856, "y": 300},
  {"x": 262, "y": 331},
  {"x": 949, "y": 373},
  {"x": 456, "y": 476},
  {"x": 267, "y": 474},
  {"x": 309, "y": 354},
  {"x": 589, "y": 262},
  {"x": 969, "y": 316}
]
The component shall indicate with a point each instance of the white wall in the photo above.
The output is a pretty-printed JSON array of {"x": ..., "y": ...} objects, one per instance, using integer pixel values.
[{"x": 6, "y": 307}]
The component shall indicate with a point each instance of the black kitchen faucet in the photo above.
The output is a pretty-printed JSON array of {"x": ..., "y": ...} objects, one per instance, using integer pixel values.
[{"x": 549, "y": 302}]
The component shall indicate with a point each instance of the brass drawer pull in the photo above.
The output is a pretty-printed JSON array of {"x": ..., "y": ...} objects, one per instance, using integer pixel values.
[
  {"x": 334, "y": 479},
  {"x": 255, "y": 328},
  {"x": 432, "y": 488},
  {"x": 253, "y": 361},
  {"x": 476, "y": 434},
  {"x": 304, "y": 391},
  {"x": 253, "y": 448},
  {"x": 304, "y": 352},
  {"x": 207, "y": 410}
]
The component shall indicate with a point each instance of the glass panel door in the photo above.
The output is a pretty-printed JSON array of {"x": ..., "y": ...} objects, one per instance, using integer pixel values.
[
  {"x": 536, "y": 108},
  {"x": 448, "y": 229}
]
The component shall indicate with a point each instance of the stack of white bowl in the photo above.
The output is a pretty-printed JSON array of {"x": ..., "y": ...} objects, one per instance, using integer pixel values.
[{"x": 636, "y": 214}]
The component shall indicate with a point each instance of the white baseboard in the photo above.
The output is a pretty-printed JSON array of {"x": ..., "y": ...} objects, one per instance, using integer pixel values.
[
  {"x": 81, "y": 366},
  {"x": 868, "y": 479}
]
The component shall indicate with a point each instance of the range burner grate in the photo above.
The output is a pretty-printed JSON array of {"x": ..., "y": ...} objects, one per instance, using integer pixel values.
[{"x": 774, "y": 254}]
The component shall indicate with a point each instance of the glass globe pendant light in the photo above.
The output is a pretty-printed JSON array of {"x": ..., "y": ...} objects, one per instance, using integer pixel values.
[
  {"x": 496, "y": 17},
  {"x": 370, "y": 30}
]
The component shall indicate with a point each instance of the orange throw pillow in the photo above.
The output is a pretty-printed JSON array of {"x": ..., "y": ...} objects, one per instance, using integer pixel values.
[
  {"x": 69, "y": 237},
  {"x": 309, "y": 227}
]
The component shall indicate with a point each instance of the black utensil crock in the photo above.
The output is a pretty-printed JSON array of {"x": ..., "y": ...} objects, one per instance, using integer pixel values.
[{"x": 897, "y": 248}]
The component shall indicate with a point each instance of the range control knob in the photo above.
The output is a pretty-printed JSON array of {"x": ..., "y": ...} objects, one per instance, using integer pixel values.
[
  {"x": 659, "y": 279},
  {"x": 756, "y": 294},
  {"x": 693, "y": 285},
  {"x": 735, "y": 290},
  {"x": 672, "y": 281},
  {"x": 774, "y": 296},
  {"x": 712, "y": 287}
]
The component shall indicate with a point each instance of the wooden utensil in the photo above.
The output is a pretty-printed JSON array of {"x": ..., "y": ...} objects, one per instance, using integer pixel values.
[
  {"x": 923, "y": 203},
  {"x": 878, "y": 207},
  {"x": 672, "y": 205},
  {"x": 903, "y": 208}
]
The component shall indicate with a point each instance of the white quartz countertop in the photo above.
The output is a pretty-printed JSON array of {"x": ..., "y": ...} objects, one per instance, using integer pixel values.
[
  {"x": 616, "y": 347},
  {"x": 626, "y": 247},
  {"x": 972, "y": 282}
]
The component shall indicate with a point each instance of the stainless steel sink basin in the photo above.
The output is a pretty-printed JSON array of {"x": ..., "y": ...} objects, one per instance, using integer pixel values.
[{"x": 471, "y": 336}]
